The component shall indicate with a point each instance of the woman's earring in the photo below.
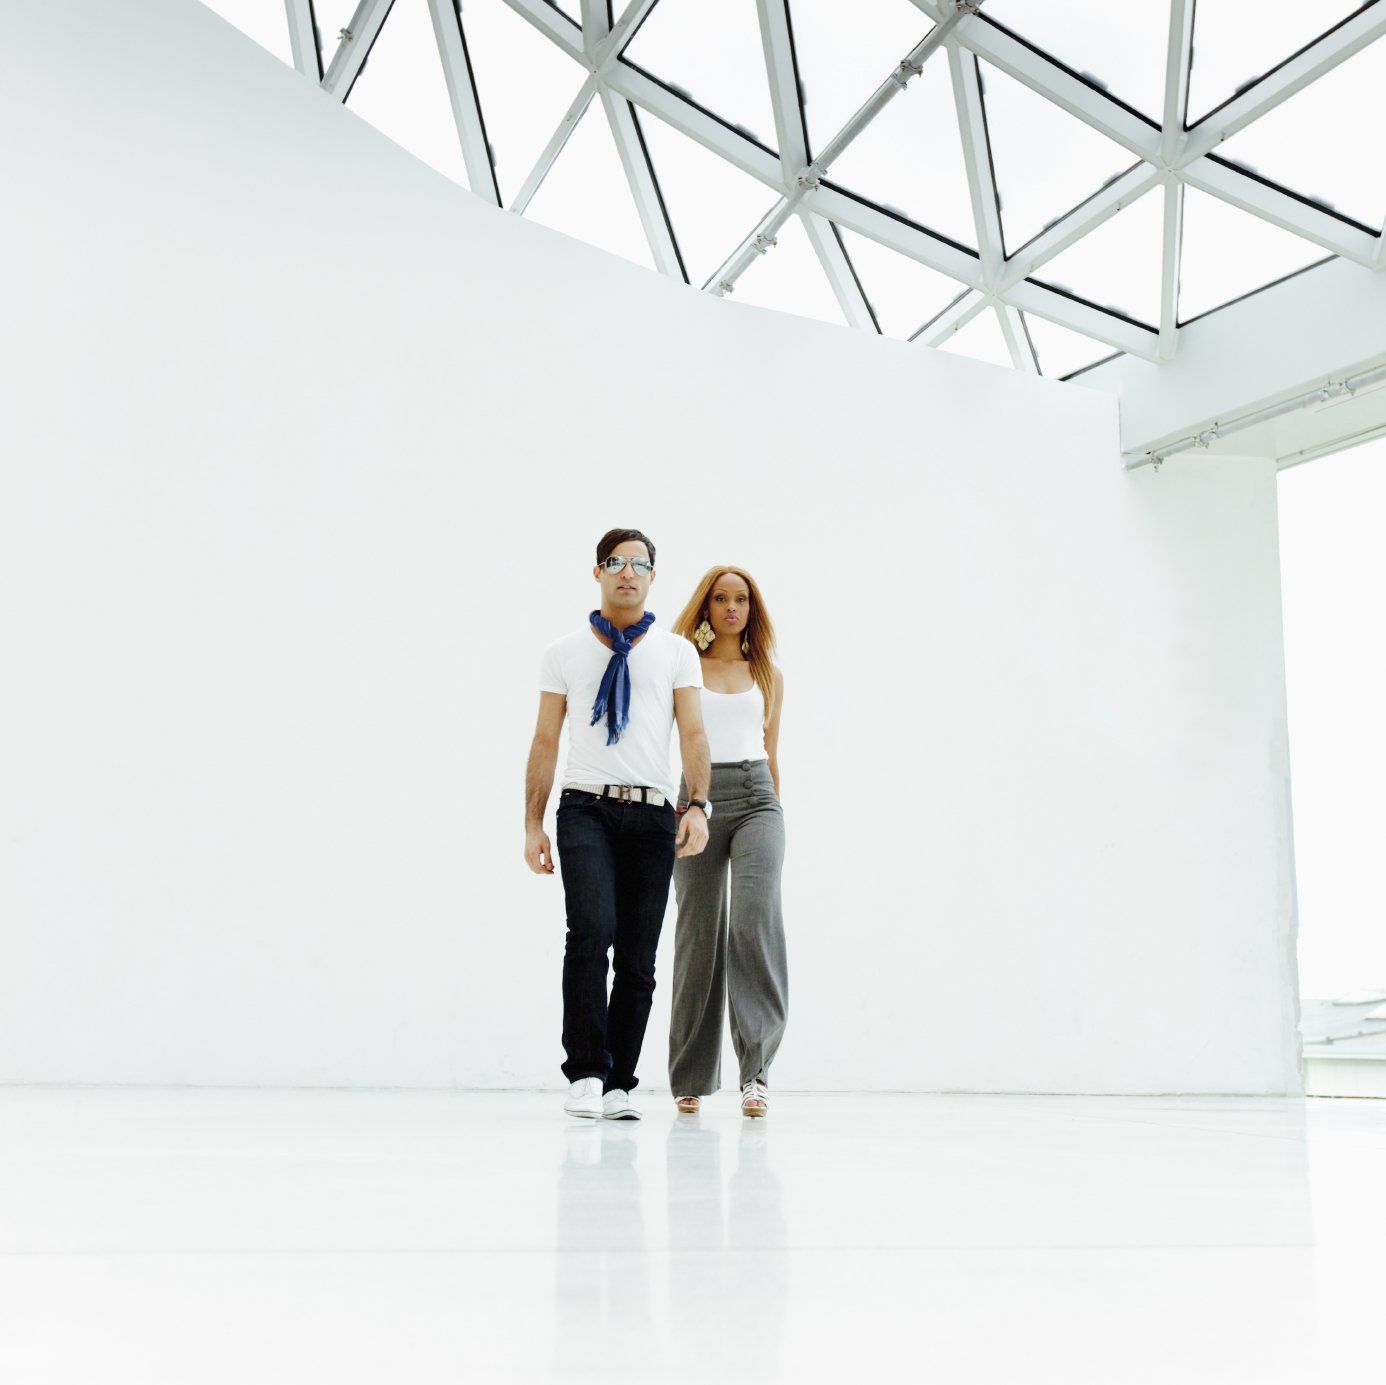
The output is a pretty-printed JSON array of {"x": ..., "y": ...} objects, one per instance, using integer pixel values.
[
  {"x": 704, "y": 635},
  {"x": 746, "y": 644}
]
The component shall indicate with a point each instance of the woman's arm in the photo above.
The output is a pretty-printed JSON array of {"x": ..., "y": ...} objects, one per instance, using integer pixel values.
[{"x": 772, "y": 731}]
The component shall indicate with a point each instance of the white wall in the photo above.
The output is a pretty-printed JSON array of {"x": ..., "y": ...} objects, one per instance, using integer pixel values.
[{"x": 307, "y": 453}]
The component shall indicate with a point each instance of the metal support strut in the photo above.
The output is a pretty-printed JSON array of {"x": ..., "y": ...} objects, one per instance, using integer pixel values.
[{"x": 812, "y": 173}]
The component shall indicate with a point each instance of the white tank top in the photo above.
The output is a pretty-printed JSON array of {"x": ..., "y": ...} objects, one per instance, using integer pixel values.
[{"x": 734, "y": 724}]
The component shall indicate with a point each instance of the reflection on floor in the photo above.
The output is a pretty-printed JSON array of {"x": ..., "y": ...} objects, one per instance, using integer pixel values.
[{"x": 200, "y": 1236}]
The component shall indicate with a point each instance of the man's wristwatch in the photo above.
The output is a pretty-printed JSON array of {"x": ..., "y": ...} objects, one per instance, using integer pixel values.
[{"x": 704, "y": 805}]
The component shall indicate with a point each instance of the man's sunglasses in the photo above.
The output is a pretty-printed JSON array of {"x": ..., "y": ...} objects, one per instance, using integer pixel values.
[{"x": 617, "y": 564}]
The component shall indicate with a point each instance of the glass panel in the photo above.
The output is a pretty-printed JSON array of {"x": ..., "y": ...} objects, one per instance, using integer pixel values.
[
  {"x": 263, "y": 20},
  {"x": 1119, "y": 47},
  {"x": 1235, "y": 43},
  {"x": 1118, "y": 265},
  {"x": 1228, "y": 252},
  {"x": 711, "y": 50},
  {"x": 1301, "y": 144},
  {"x": 982, "y": 339},
  {"x": 1061, "y": 350},
  {"x": 712, "y": 205},
  {"x": 403, "y": 93},
  {"x": 586, "y": 193},
  {"x": 790, "y": 278},
  {"x": 1045, "y": 160},
  {"x": 910, "y": 158},
  {"x": 845, "y": 52},
  {"x": 904, "y": 294},
  {"x": 524, "y": 84}
]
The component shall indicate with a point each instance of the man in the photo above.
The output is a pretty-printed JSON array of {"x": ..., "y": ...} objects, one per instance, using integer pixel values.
[{"x": 621, "y": 685}]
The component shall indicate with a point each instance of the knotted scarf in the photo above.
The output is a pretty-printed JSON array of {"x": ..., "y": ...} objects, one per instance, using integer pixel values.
[{"x": 613, "y": 697}]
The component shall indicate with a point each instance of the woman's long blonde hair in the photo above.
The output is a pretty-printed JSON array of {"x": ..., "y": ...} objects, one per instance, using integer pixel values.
[{"x": 759, "y": 632}]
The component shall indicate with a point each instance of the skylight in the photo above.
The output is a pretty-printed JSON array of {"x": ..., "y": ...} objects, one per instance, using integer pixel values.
[{"x": 1115, "y": 170}]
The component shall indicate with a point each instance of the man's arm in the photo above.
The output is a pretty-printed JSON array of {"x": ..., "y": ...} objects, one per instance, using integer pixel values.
[
  {"x": 697, "y": 768},
  {"x": 543, "y": 757}
]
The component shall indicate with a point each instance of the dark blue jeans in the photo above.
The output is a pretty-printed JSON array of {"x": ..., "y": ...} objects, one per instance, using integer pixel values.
[{"x": 616, "y": 860}]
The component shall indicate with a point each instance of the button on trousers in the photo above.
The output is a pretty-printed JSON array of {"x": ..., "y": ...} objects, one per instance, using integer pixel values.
[{"x": 729, "y": 948}]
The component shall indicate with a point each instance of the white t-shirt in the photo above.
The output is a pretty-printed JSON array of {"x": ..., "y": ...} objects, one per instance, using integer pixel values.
[{"x": 659, "y": 663}]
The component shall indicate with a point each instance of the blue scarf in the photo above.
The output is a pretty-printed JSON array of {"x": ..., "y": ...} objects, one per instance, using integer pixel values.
[{"x": 613, "y": 697}]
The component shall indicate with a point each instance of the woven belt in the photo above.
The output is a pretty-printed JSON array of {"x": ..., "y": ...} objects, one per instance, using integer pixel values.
[{"x": 627, "y": 793}]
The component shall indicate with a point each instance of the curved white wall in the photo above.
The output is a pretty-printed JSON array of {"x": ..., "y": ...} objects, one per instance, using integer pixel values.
[{"x": 307, "y": 453}]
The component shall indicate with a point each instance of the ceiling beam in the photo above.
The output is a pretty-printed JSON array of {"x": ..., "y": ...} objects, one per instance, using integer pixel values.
[
  {"x": 1282, "y": 209},
  {"x": 832, "y": 256},
  {"x": 607, "y": 51},
  {"x": 1178, "y": 59},
  {"x": 739, "y": 150},
  {"x": 621, "y": 31},
  {"x": 1171, "y": 255},
  {"x": 760, "y": 240},
  {"x": 777, "y": 42},
  {"x": 895, "y": 234},
  {"x": 942, "y": 326},
  {"x": 576, "y": 109},
  {"x": 1038, "y": 300},
  {"x": 643, "y": 184},
  {"x": 303, "y": 38},
  {"x": 354, "y": 47},
  {"x": 781, "y": 70},
  {"x": 595, "y": 26},
  {"x": 466, "y": 109},
  {"x": 1017, "y": 336},
  {"x": 981, "y": 179}
]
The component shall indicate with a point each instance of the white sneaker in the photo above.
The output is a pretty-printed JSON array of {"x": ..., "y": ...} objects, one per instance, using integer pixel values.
[
  {"x": 585, "y": 1098},
  {"x": 616, "y": 1106}
]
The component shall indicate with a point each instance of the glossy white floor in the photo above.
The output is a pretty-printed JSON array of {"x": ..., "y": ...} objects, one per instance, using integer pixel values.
[{"x": 264, "y": 1236}]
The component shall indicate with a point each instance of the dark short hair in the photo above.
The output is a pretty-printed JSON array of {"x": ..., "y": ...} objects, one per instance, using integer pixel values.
[{"x": 606, "y": 545}]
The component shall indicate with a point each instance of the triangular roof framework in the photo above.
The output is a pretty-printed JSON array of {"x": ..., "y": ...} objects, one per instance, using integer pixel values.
[{"x": 813, "y": 185}]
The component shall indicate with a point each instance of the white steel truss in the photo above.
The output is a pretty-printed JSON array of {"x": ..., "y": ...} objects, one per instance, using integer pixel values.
[
  {"x": 303, "y": 38},
  {"x": 1169, "y": 155},
  {"x": 466, "y": 109},
  {"x": 354, "y": 44}
]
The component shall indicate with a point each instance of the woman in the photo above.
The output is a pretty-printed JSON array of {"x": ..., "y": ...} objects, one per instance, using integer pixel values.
[{"x": 732, "y": 956}]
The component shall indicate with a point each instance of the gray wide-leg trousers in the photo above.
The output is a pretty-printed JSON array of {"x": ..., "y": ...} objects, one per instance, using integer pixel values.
[{"x": 729, "y": 947}]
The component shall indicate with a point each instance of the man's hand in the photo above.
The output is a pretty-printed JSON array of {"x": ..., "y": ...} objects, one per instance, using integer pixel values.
[
  {"x": 538, "y": 852},
  {"x": 691, "y": 837}
]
